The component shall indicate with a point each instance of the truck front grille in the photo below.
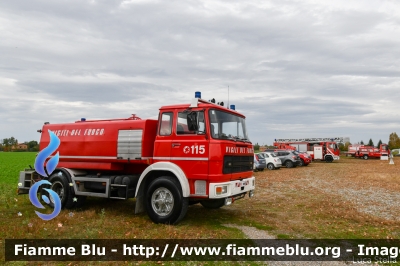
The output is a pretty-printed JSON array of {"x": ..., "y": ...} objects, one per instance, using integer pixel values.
[{"x": 237, "y": 164}]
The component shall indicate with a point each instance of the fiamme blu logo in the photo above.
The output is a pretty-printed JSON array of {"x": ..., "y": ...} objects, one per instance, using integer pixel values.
[{"x": 46, "y": 172}]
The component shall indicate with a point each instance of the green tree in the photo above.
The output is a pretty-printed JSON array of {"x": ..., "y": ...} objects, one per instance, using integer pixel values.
[
  {"x": 341, "y": 146},
  {"x": 394, "y": 141},
  {"x": 370, "y": 142},
  {"x": 256, "y": 147},
  {"x": 362, "y": 142},
  {"x": 379, "y": 143},
  {"x": 8, "y": 143},
  {"x": 344, "y": 147},
  {"x": 33, "y": 145}
]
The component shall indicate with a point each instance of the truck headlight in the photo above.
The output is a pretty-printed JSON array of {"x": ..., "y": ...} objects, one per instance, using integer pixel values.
[{"x": 219, "y": 190}]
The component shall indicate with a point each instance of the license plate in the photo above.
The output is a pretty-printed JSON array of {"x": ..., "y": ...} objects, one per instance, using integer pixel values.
[{"x": 242, "y": 183}]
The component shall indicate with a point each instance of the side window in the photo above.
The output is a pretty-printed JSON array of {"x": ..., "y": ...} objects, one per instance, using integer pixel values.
[
  {"x": 285, "y": 153},
  {"x": 266, "y": 155},
  {"x": 166, "y": 124},
  {"x": 202, "y": 125},
  {"x": 182, "y": 126},
  {"x": 214, "y": 130}
]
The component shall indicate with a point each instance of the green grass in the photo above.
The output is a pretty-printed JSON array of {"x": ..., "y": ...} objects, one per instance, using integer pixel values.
[{"x": 13, "y": 162}]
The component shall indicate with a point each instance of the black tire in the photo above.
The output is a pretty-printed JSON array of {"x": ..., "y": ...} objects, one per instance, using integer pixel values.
[
  {"x": 271, "y": 166},
  {"x": 80, "y": 201},
  {"x": 289, "y": 164},
  {"x": 165, "y": 202},
  {"x": 329, "y": 159},
  {"x": 301, "y": 163},
  {"x": 60, "y": 185},
  {"x": 213, "y": 204},
  {"x": 365, "y": 157}
]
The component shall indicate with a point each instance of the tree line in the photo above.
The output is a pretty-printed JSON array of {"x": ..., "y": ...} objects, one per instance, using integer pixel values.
[{"x": 11, "y": 144}]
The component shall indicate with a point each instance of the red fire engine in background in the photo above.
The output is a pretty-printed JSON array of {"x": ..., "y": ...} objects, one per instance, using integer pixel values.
[
  {"x": 325, "y": 149},
  {"x": 365, "y": 152},
  {"x": 196, "y": 152}
]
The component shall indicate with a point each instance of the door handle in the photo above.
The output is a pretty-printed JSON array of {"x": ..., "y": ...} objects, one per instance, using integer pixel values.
[{"x": 175, "y": 145}]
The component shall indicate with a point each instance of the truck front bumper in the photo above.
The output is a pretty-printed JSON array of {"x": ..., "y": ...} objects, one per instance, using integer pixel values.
[{"x": 232, "y": 189}]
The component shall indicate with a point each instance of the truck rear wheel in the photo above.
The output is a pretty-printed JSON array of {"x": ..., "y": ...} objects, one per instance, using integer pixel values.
[
  {"x": 365, "y": 157},
  {"x": 60, "y": 185},
  {"x": 165, "y": 202},
  {"x": 329, "y": 159},
  {"x": 213, "y": 204}
]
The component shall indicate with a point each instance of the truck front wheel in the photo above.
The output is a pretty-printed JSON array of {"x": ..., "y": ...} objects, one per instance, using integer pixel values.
[
  {"x": 213, "y": 204},
  {"x": 365, "y": 157},
  {"x": 165, "y": 202}
]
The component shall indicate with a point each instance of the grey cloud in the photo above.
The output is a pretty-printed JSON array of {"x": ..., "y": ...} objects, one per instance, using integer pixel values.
[{"x": 98, "y": 93}]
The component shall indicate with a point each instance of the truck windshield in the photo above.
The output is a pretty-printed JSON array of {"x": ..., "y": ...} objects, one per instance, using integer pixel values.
[{"x": 224, "y": 125}]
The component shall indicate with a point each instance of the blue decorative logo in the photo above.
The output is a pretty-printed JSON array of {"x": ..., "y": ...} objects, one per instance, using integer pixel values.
[
  {"x": 39, "y": 167},
  {"x": 46, "y": 152},
  {"x": 36, "y": 203}
]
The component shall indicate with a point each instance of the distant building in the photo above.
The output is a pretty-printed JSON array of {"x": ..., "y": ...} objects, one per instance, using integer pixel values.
[{"x": 20, "y": 146}]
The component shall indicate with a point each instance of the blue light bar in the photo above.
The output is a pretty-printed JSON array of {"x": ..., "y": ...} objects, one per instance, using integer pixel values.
[
  {"x": 83, "y": 119},
  {"x": 232, "y": 107},
  {"x": 197, "y": 94}
]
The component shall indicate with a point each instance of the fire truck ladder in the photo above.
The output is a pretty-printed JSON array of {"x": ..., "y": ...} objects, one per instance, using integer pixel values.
[{"x": 311, "y": 140}]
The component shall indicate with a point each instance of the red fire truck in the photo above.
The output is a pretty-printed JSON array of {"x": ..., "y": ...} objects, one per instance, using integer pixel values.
[
  {"x": 365, "y": 152},
  {"x": 193, "y": 153},
  {"x": 325, "y": 149}
]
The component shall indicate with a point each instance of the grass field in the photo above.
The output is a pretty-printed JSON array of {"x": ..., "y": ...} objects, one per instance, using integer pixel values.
[{"x": 348, "y": 199}]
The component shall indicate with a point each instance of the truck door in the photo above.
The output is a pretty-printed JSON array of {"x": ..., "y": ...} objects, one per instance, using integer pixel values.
[
  {"x": 190, "y": 147},
  {"x": 163, "y": 143}
]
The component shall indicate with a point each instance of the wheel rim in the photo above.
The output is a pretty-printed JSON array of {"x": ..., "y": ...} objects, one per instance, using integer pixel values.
[
  {"x": 288, "y": 164},
  {"x": 270, "y": 167},
  {"x": 162, "y": 201},
  {"x": 59, "y": 189}
]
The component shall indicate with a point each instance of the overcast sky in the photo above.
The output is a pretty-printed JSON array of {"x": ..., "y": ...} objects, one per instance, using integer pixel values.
[{"x": 295, "y": 69}]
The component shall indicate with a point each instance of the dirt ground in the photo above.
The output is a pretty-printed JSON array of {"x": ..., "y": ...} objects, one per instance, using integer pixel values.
[{"x": 349, "y": 198}]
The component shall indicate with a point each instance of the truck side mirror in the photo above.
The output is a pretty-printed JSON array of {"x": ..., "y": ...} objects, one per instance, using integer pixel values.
[{"x": 192, "y": 121}]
